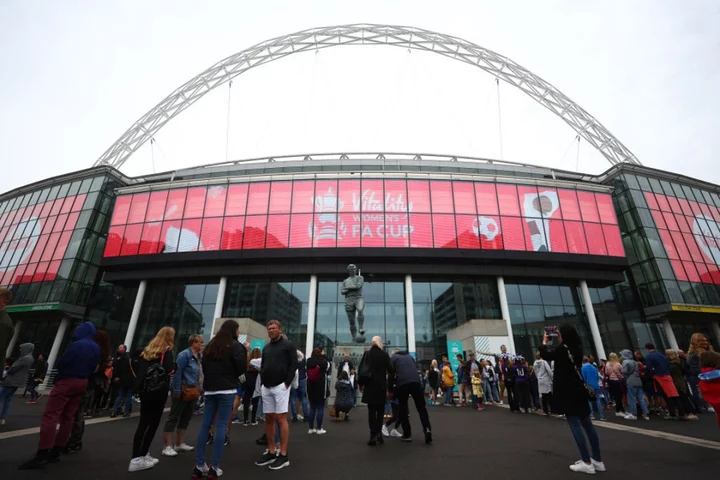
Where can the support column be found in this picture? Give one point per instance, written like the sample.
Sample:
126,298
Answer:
505,310
410,314
62,329
592,320
219,301
135,314
13,340
670,334
716,330
312,309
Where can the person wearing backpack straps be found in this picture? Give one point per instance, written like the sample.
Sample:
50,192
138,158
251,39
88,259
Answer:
317,368
155,366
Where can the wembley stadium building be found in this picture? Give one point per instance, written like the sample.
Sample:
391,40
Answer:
455,253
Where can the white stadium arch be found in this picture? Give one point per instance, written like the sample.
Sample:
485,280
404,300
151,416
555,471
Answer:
367,34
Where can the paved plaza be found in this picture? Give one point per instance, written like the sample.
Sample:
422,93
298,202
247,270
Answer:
468,444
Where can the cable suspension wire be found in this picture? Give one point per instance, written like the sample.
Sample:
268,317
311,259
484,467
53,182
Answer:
577,158
227,125
567,150
152,152
497,83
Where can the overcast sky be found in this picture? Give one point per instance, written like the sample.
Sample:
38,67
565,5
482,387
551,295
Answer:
74,75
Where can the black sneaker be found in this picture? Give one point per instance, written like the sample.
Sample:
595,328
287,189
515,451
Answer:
428,436
126,415
294,419
266,459
210,439
227,440
213,473
373,441
197,474
281,461
262,440
113,414
380,440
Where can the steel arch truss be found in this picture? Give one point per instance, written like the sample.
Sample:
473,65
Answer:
367,34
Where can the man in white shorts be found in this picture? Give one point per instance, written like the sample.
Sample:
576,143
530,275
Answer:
277,372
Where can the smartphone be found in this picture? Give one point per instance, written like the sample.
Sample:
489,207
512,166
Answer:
551,331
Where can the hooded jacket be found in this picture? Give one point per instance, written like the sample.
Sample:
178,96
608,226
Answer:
405,369
82,356
17,374
630,369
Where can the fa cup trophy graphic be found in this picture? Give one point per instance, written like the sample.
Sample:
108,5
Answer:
352,290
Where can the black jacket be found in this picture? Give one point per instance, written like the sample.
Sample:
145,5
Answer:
568,389
375,389
279,363
122,371
40,369
222,373
316,391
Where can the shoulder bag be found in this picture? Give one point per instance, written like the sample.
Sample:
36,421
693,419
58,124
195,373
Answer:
589,391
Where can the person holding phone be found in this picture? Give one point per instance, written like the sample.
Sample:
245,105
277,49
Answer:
570,395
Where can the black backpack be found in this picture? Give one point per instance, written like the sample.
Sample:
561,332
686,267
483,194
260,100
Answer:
156,377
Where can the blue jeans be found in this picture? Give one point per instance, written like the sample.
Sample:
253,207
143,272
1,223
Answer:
299,392
222,405
448,395
636,393
32,388
124,396
596,406
317,411
577,425
6,396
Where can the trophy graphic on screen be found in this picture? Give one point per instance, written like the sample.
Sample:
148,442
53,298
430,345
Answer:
181,240
537,210
707,235
487,227
327,226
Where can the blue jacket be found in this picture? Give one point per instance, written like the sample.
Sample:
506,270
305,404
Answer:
591,375
657,364
188,371
82,356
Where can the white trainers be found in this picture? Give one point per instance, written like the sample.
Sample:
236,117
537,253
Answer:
599,466
169,452
312,431
621,414
322,431
203,468
395,433
140,463
582,467
184,447
300,418
218,471
152,459
630,416
385,431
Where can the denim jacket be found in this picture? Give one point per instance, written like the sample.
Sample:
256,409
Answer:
188,371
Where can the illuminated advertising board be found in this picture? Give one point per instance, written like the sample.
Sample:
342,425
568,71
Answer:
379,213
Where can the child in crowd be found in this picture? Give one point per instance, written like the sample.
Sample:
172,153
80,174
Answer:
477,390
354,383
710,379
394,419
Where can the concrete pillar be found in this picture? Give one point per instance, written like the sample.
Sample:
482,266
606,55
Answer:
505,310
14,339
62,329
219,301
716,331
135,314
410,314
670,334
592,320
312,309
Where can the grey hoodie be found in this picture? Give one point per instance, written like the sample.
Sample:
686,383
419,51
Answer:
18,372
630,369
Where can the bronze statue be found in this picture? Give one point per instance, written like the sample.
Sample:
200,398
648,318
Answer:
352,290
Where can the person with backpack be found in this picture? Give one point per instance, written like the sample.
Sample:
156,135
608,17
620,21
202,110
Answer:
152,384
317,368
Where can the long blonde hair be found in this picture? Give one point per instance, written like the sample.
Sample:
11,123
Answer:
163,341
698,343
671,354
613,358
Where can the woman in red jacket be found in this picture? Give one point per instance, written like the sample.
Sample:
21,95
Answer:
710,389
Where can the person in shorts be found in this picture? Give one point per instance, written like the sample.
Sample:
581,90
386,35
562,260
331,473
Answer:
277,372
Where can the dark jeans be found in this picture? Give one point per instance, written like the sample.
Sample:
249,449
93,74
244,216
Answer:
414,390
151,410
375,418
247,401
547,402
124,396
673,403
32,388
577,425
317,412
512,398
698,404
522,390
615,387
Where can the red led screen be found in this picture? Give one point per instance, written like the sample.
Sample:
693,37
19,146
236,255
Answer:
391,213
690,233
34,239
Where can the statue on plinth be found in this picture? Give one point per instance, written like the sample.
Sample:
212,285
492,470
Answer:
354,303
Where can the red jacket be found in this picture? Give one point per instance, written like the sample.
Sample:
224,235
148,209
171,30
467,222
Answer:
710,390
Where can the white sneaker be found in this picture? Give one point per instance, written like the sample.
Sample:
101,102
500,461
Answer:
184,447
169,452
599,466
395,433
2,421
621,414
300,418
582,467
203,468
312,431
218,471
152,459
710,409
322,431
140,463
630,416
385,431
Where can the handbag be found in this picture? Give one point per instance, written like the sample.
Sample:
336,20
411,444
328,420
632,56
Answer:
589,391
190,393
